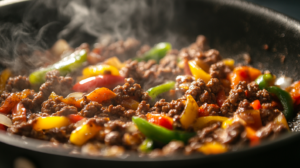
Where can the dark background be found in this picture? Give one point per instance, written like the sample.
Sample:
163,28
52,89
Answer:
290,8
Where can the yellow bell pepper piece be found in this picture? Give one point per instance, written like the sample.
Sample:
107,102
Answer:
130,104
229,62
197,72
189,113
212,148
83,133
228,122
6,73
203,65
114,61
100,70
202,122
280,119
44,123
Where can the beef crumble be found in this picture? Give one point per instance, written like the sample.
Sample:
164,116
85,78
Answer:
112,118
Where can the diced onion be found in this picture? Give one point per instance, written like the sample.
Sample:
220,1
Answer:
80,123
76,95
284,82
5,120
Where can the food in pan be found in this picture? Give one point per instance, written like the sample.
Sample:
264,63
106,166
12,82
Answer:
160,101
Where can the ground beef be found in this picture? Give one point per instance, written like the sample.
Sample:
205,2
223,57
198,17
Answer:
201,93
268,113
149,74
54,83
130,90
263,96
271,130
143,108
232,133
252,91
91,109
243,106
195,49
214,85
175,107
219,70
207,134
50,106
66,110
235,96
18,83
211,109
185,80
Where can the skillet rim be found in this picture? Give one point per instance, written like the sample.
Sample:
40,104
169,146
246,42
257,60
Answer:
248,7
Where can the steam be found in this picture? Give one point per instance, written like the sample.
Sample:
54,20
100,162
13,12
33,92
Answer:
23,45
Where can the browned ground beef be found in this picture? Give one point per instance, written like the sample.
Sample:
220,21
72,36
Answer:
118,133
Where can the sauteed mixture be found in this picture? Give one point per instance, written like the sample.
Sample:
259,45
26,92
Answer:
160,101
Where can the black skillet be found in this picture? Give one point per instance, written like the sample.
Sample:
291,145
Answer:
232,27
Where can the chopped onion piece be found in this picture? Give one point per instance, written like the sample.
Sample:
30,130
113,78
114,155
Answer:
80,123
284,82
76,95
5,120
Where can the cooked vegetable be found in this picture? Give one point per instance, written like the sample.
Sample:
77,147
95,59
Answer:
243,73
251,135
197,72
283,82
74,118
155,91
44,123
12,100
5,121
99,95
83,133
256,105
130,103
160,134
285,99
189,113
250,118
108,81
146,146
229,62
100,70
280,119
115,62
265,80
19,113
5,74
221,97
202,122
156,53
161,120
64,66
212,148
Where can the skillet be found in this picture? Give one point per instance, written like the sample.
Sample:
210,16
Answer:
232,27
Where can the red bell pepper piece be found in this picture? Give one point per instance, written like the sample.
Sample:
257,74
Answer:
108,81
2,127
74,118
256,105
19,113
160,120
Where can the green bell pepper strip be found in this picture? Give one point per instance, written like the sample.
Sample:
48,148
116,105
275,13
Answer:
156,53
64,66
155,91
285,99
146,146
264,81
160,134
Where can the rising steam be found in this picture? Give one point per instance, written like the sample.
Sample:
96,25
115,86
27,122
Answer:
22,44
